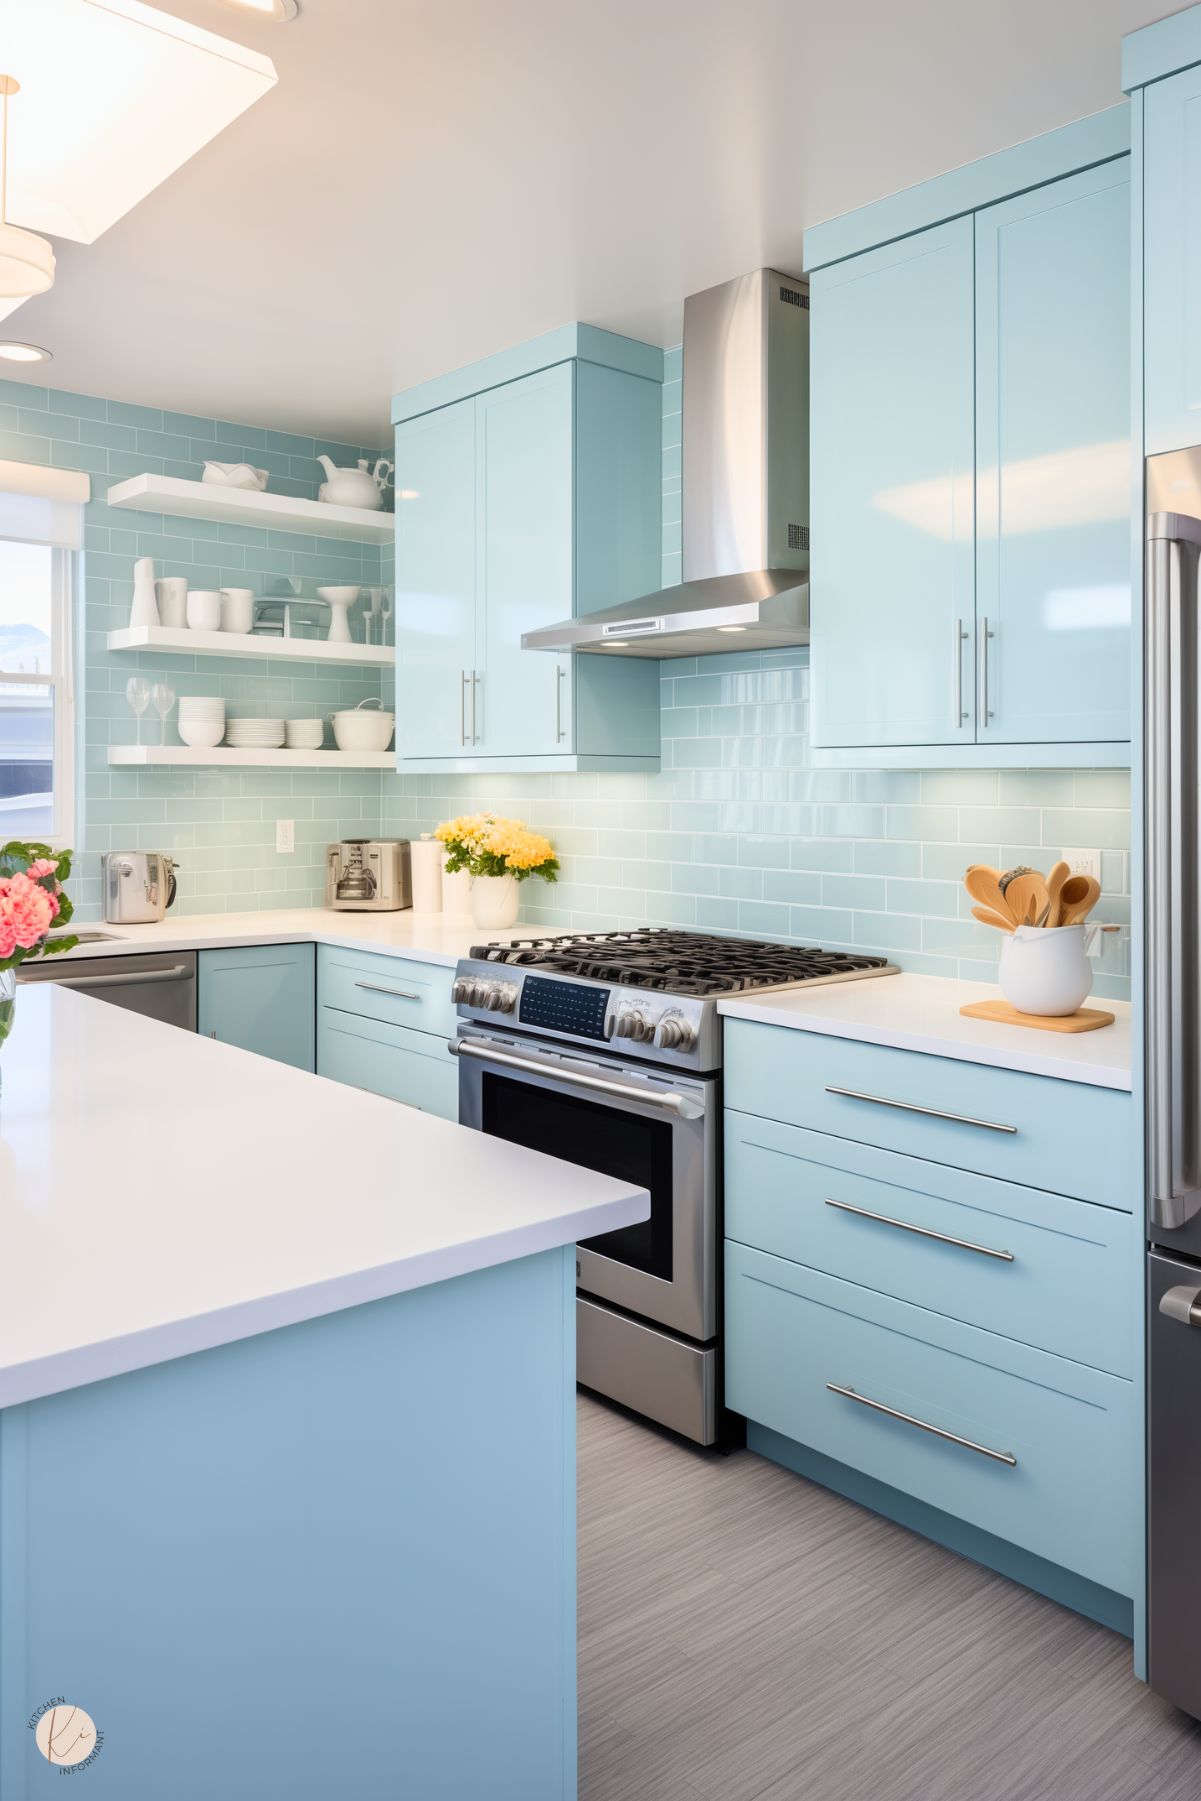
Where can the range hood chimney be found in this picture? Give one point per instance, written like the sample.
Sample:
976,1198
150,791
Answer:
745,488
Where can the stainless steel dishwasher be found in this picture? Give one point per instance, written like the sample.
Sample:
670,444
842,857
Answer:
160,984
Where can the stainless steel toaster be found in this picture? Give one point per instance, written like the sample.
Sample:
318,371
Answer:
368,875
139,886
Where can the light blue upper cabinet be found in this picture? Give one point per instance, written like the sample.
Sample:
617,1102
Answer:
1172,262
891,462
528,491
1053,482
972,492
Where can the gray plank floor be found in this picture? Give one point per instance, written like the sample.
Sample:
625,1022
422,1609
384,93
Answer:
748,1636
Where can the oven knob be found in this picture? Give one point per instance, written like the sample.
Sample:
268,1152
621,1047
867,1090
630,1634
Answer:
632,1024
508,997
479,994
674,1034
461,992
490,999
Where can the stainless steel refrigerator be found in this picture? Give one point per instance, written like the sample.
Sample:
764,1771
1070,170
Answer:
1172,829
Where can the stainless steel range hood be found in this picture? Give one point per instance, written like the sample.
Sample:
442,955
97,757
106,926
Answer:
745,487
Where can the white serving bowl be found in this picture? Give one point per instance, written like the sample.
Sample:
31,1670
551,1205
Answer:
363,728
234,475
304,734
202,733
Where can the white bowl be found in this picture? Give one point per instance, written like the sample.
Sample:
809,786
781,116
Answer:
234,475
202,703
363,728
202,733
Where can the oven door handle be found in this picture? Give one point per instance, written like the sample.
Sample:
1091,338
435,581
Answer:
684,1106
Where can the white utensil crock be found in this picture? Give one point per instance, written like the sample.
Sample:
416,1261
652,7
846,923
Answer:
171,592
425,862
1046,970
494,901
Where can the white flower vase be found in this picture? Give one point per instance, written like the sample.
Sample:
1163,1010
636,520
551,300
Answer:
494,901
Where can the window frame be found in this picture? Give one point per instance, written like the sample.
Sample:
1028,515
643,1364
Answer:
60,680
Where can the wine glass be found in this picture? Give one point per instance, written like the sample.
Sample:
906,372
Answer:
137,693
162,699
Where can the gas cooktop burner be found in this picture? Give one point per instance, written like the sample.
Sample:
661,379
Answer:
692,963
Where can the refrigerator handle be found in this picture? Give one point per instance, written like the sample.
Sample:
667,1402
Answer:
1183,1304
1173,889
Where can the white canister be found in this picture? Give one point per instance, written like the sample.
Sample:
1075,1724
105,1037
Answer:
1045,970
204,609
171,592
144,610
425,861
237,610
456,890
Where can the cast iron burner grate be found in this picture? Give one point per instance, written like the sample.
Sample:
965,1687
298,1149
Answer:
692,963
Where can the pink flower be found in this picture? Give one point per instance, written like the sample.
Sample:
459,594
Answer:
26,912
43,866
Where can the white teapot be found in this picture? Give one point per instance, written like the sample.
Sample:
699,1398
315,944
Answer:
361,487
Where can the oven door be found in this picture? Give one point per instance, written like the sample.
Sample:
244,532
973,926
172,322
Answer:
643,1126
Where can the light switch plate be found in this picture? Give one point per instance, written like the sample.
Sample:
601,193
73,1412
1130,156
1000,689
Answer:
285,835
1084,862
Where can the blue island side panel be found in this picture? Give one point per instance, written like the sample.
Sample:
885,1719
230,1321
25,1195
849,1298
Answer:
336,1559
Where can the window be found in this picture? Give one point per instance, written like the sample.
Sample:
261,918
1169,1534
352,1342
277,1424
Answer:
40,521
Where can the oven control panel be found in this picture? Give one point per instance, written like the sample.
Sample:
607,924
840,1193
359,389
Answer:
566,1007
665,1028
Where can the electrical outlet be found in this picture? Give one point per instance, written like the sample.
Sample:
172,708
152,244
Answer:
285,835
1084,862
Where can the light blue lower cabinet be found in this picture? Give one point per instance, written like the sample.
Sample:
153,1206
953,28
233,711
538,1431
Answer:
261,998
273,1568
1034,1450
404,1065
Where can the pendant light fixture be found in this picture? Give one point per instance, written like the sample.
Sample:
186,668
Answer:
26,261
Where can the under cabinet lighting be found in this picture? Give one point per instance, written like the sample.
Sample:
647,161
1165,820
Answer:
14,352
617,643
276,11
731,628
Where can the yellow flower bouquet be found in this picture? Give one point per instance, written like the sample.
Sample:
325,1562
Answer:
485,845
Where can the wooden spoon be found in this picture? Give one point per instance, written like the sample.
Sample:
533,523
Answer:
984,885
1027,897
987,917
1056,878
1077,898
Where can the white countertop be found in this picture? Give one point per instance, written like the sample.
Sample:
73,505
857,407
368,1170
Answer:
162,1193
426,937
921,1013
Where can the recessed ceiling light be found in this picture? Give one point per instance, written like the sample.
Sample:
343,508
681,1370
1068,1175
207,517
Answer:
731,628
14,352
278,12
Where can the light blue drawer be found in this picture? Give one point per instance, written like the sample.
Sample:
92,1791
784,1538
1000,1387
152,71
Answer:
397,990
1069,1496
413,1067
1064,1283
1062,1136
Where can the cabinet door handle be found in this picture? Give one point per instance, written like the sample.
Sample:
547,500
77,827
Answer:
477,682
957,673
560,676
958,1119
904,1225
910,1419
402,994
986,635
462,708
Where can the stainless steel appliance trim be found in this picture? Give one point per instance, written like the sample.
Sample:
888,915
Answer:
178,972
665,1378
904,1225
958,1119
910,1419
402,994
1183,1304
682,1105
957,673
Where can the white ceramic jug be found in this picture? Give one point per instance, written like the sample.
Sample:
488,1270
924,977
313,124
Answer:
1045,970
144,610
361,487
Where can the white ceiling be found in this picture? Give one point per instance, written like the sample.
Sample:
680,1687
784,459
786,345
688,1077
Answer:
432,180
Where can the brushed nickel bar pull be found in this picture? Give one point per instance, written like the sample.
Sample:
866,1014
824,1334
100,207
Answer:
477,682
462,708
911,1419
178,972
402,994
986,634
560,674
904,1225
957,672
682,1105
958,1119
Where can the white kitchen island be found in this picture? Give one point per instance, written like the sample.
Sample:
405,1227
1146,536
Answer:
286,1427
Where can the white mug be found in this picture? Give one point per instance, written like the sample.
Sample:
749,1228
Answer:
237,610
171,593
204,609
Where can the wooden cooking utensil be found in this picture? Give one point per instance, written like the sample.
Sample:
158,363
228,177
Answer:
1078,897
984,886
1027,897
987,917
1056,877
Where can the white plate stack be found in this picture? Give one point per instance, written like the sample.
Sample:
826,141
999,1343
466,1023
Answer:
304,734
255,734
201,720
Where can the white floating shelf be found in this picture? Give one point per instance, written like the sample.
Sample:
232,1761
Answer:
186,756
246,506
258,644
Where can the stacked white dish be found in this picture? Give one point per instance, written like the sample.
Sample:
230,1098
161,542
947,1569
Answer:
201,719
304,734
255,734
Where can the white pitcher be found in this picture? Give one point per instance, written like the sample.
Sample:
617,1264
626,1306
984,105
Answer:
144,610
1046,970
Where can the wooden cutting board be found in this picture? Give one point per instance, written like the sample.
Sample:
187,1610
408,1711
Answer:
1085,1019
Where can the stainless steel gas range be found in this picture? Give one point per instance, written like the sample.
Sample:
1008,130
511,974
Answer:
605,1049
